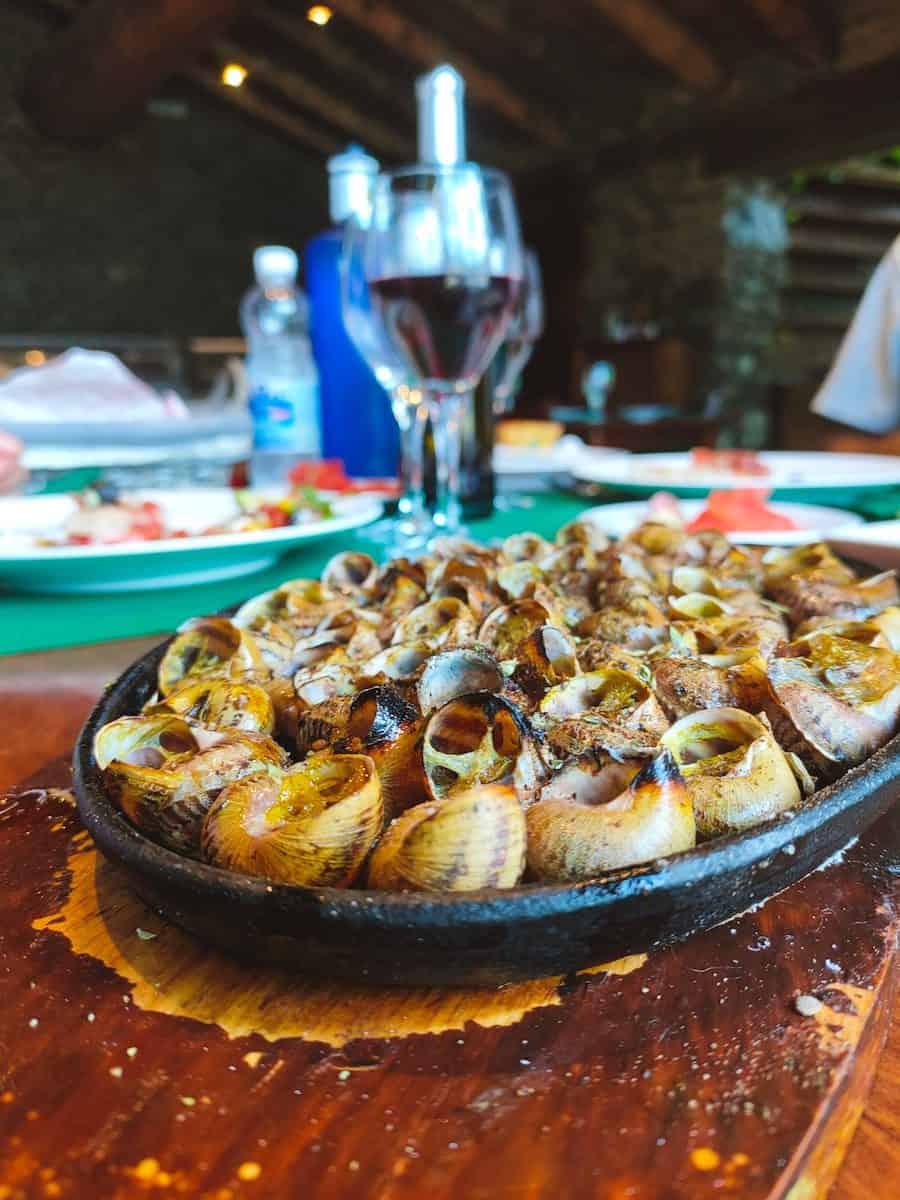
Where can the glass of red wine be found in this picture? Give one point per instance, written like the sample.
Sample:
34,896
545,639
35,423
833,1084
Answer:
525,328
443,260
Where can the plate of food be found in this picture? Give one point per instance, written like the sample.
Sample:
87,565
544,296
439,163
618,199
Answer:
104,539
745,515
500,762
698,471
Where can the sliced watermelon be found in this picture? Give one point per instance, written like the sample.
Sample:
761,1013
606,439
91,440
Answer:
740,510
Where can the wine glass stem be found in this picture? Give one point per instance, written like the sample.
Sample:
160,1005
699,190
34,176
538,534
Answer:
446,411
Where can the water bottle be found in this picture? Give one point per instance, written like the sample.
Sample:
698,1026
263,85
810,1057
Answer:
283,385
358,425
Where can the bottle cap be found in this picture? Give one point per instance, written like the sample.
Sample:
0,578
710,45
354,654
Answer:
442,128
274,264
350,179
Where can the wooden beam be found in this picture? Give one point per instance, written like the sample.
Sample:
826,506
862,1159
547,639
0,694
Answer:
395,30
664,38
330,106
829,280
790,22
836,245
347,63
858,171
248,101
840,208
99,72
360,70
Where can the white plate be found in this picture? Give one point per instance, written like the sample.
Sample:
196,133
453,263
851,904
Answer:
815,521
562,458
788,469
165,563
877,543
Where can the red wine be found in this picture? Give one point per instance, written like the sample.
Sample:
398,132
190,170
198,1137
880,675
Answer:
447,325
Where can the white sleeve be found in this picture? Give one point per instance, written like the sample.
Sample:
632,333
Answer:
863,386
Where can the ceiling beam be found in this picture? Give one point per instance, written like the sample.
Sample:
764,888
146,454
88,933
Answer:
665,39
331,107
244,98
791,23
822,122
348,63
99,72
404,37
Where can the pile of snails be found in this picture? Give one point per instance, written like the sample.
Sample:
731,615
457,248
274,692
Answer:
487,716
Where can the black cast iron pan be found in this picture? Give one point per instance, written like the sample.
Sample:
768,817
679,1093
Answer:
476,937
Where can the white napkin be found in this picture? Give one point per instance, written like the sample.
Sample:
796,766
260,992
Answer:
83,386
863,387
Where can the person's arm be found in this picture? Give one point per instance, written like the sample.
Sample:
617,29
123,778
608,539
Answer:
863,387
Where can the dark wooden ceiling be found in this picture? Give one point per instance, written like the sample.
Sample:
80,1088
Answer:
748,83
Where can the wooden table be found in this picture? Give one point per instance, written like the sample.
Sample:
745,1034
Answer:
133,1062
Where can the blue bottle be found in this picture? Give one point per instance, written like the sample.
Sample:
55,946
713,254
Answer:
357,423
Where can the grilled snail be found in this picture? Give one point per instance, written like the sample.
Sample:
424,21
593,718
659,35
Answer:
312,825
737,774
589,822
546,710
475,838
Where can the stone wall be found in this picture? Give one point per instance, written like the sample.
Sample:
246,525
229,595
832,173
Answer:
696,256
153,232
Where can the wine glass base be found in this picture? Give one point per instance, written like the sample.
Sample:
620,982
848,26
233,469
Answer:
396,537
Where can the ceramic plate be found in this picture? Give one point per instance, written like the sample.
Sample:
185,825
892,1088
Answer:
814,522
807,472
173,561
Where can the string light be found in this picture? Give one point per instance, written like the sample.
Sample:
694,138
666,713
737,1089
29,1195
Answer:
233,75
35,358
319,14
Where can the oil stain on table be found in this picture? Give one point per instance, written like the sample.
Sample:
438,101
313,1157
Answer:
136,1061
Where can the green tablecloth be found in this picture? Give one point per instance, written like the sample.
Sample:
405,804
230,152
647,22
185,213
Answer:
35,622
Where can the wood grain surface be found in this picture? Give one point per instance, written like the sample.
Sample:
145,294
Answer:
135,1062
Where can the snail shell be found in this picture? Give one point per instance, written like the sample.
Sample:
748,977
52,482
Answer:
481,738
816,560
455,673
222,704
164,774
582,533
356,629
294,601
399,663
882,629
324,723
837,701
693,606
507,627
635,624
604,709
526,547
590,821
446,570
734,680
312,826
351,573
519,580
385,726
443,622
473,839
208,648
736,772
478,599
